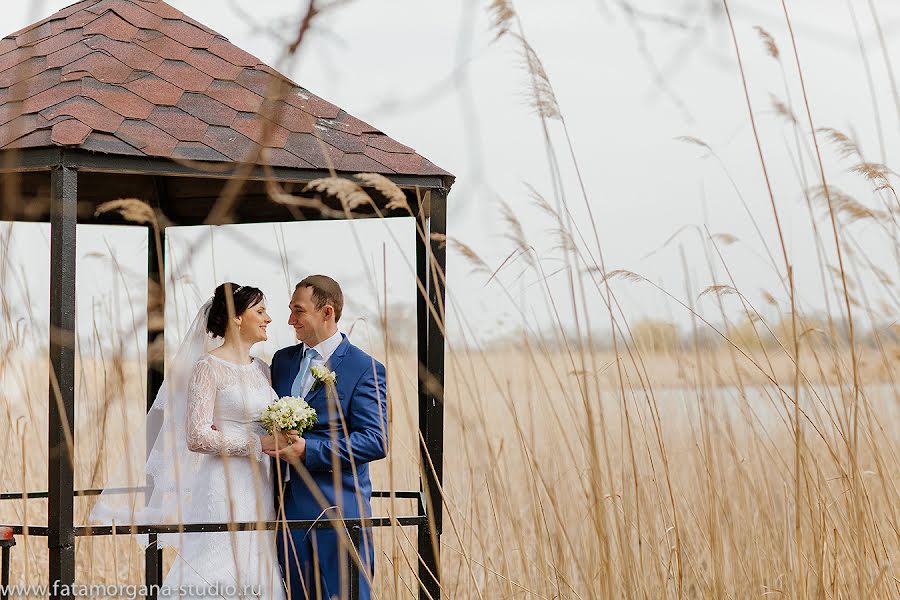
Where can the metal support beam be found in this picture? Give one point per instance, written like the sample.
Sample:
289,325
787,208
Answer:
61,411
430,267
355,572
39,159
5,546
426,559
156,310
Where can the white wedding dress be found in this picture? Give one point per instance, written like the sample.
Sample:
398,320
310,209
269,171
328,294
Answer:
184,471
233,483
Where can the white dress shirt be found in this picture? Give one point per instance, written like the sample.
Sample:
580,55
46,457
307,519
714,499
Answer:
325,349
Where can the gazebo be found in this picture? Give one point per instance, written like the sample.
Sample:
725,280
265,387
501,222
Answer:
111,99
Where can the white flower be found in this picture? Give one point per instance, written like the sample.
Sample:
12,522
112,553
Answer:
287,413
323,375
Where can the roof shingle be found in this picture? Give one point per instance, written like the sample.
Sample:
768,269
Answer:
261,130
206,109
79,19
197,151
68,55
100,66
90,112
185,33
33,85
131,12
117,98
155,90
183,75
313,150
212,65
129,53
10,111
70,132
237,97
35,139
146,137
162,45
178,124
161,9
52,96
112,26
108,144
139,78
23,70
229,142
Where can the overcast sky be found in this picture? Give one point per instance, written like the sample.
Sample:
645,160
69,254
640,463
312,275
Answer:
431,75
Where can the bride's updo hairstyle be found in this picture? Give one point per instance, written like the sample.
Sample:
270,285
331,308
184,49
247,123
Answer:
243,297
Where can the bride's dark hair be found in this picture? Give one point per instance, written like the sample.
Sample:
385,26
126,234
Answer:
243,297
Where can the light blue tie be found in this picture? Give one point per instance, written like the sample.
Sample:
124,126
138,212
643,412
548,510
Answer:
297,386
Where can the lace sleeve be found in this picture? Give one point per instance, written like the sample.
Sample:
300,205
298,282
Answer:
201,437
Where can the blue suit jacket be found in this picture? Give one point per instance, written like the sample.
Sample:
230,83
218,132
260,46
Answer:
362,404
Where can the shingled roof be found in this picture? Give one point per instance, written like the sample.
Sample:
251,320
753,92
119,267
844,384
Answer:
140,78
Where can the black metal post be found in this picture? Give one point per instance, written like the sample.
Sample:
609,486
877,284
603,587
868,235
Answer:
156,310
426,558
430,265
4,566
61,411
355,573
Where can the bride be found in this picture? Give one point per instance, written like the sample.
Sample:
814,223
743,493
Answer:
206,463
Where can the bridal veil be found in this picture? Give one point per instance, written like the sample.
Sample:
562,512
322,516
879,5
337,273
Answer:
156,487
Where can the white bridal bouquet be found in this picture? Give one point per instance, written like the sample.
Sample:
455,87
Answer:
287,413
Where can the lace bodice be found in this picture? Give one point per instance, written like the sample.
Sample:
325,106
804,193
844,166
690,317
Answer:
231,397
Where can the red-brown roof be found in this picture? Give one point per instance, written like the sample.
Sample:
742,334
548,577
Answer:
138,77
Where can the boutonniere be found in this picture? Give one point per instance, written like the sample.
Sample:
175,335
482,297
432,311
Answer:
322,375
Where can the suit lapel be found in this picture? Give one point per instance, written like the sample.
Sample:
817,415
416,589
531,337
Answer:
336,357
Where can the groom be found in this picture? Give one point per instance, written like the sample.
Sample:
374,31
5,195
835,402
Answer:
328,476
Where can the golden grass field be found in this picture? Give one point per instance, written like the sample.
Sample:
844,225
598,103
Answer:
562,483
695,471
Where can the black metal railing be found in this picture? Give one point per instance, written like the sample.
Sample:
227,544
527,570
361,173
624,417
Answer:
353,526
5,545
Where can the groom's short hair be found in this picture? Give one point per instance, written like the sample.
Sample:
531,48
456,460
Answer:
325,290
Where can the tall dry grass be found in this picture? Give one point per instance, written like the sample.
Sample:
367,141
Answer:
523,516
764,465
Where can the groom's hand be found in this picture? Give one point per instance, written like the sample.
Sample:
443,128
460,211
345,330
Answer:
280,440
294,453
